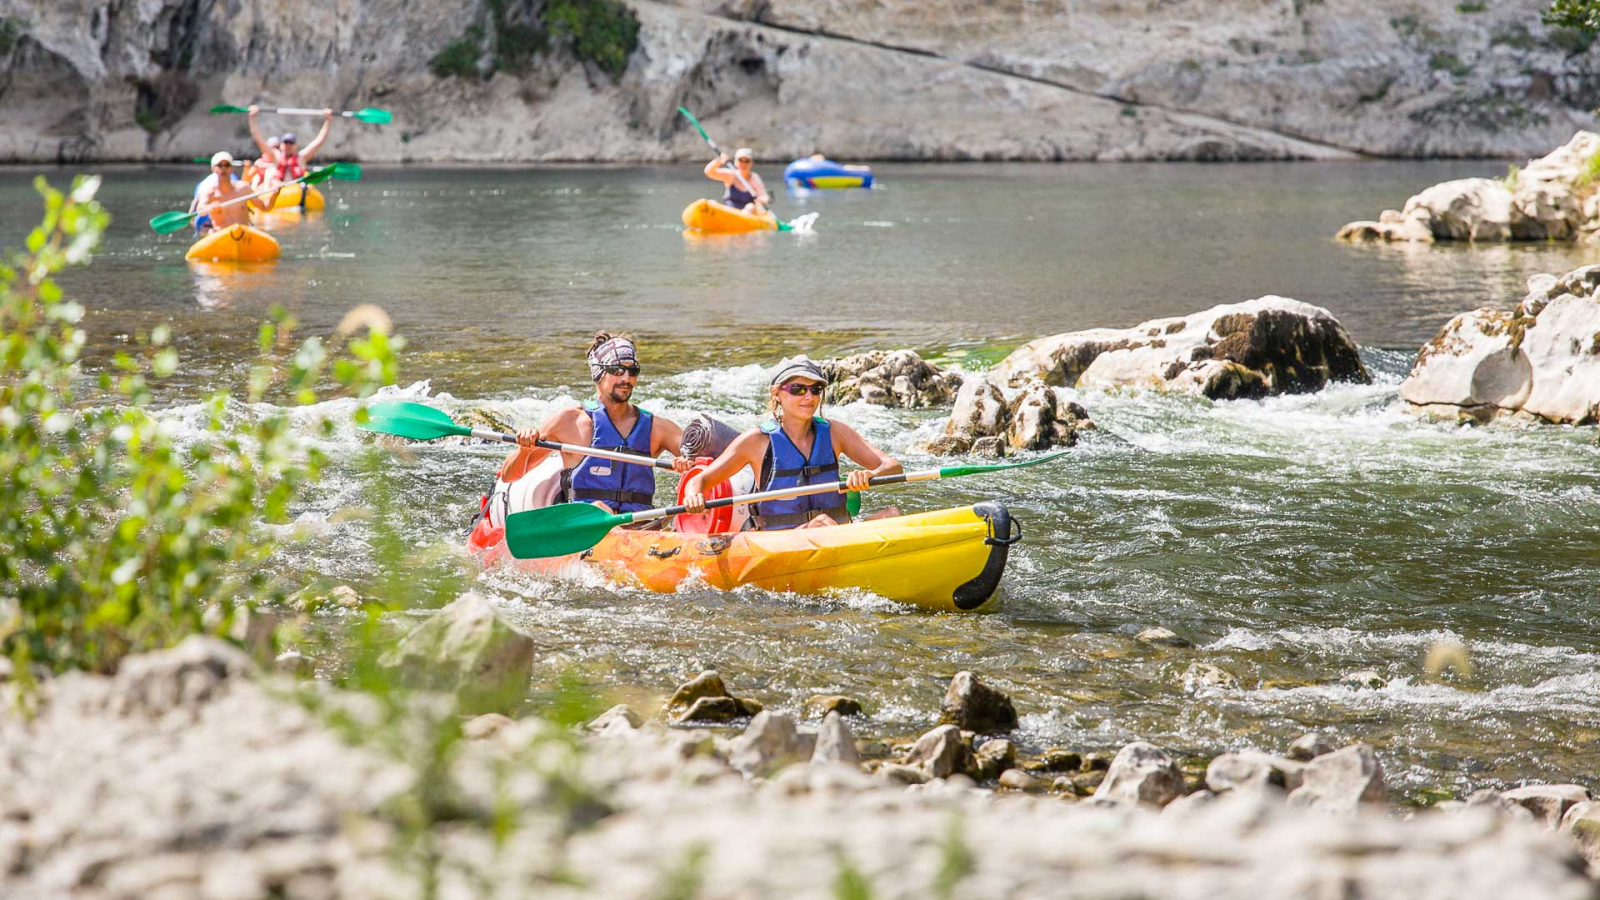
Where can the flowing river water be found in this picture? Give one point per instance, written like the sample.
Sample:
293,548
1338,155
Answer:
1293,541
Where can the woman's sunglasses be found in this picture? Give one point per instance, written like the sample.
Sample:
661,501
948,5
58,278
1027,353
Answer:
797,389
619,370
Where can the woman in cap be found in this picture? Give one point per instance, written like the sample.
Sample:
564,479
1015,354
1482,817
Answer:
742,187
796,447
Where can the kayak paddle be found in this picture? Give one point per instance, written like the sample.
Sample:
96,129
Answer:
177,220
369,115
575,527
803,223
421,422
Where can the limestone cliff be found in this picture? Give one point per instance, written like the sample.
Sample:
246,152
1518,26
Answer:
886,79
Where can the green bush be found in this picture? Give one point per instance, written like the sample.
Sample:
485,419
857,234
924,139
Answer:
10,35
604,32
1580,15
459,59
115,536
1445,61
1471,7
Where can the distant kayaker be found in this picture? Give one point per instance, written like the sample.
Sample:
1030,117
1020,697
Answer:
610,422
742,187
289,162
225,188
796,446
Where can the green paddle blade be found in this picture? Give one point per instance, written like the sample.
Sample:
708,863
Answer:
955,471
347,171
411,420
559,530
168,222
696,123
228,109
373,116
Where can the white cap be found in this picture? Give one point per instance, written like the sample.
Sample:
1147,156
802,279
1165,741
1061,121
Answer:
221,156
742,153
801,366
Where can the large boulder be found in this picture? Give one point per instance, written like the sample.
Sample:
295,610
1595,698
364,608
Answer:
468,648
1270,345
1339,782
971,705
898,378
1544,201
1540,360
988,418
1142,773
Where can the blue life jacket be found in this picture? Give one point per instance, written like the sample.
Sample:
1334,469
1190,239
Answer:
737,197
785,467
625,487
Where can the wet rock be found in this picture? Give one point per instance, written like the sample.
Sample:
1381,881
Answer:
1262,347
1366,679
1096,762
989,447
1057,759
1142,773
1541,361
820,705
1162,637
988,419
1085,784
467,648
1039,419
993,757
1205,675
898,378
769,743
974,706
619,713
1250,770
1311,745
897,773
942,753
705,698
1341,781
487,725
313,597
1019,780
1547,802
835,744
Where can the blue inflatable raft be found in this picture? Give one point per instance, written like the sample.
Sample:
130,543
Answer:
825,174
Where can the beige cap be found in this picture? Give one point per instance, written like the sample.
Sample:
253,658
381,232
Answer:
744,153
221,156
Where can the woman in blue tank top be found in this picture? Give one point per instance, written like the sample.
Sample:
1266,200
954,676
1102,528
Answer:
742,187
796,447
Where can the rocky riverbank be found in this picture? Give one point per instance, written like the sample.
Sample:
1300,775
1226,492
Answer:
189,775
87,80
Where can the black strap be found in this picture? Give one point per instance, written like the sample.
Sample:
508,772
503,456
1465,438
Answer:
587,495
807,471
628,450
840,514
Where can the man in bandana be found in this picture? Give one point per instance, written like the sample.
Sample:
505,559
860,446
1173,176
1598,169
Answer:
610,422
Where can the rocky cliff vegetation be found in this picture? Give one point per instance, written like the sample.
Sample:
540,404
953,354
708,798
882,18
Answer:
504,80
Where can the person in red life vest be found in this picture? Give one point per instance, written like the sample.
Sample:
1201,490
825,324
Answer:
795,447
290,161
609,422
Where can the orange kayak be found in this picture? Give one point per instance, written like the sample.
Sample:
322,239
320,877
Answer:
711,217
240,243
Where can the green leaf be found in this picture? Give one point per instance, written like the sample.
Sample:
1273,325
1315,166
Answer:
165,363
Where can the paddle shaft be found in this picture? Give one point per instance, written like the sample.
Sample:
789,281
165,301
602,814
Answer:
295,111
784,493
501,436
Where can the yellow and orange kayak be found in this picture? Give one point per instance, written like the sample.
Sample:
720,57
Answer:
711,217
950,560
289,198
240,243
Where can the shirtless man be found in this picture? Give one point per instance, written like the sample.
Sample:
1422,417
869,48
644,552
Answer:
225,189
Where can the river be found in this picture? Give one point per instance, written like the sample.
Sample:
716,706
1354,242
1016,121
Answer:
1294,540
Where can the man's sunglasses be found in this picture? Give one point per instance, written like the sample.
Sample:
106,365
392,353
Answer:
795,388
619,370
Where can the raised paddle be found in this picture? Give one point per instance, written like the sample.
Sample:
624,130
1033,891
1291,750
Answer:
803,223
177,220
369,115
575,527
421,422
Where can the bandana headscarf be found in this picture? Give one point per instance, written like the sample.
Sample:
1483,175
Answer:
615,352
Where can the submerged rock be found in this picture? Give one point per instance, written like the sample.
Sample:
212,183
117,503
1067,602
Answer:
1142,773
704,698
971,705
1162,637
1544,201
1541,360
820,705
468,648
1270,345
898,378
1201,675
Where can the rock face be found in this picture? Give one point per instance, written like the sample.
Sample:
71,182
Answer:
1548,200
1341,781
1270,345
1051,80
971,705
898,378
466,647
1540,360
1142,773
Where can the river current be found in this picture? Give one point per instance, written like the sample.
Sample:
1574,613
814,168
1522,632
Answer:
1294,541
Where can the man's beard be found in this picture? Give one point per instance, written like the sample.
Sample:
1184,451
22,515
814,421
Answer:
621,393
